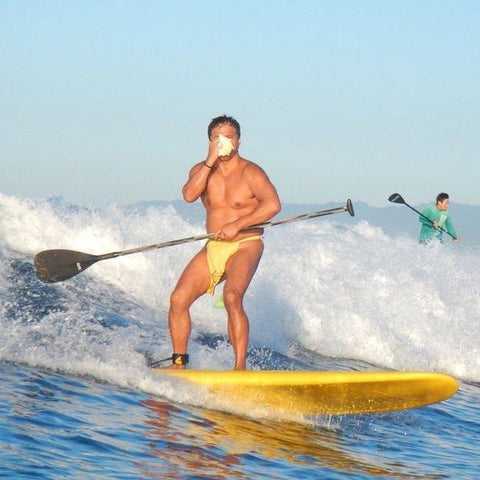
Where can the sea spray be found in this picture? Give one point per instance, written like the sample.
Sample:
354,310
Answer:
338,290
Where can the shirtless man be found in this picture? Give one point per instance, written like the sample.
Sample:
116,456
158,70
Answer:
236,194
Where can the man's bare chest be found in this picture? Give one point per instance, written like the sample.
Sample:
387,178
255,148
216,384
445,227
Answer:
230,191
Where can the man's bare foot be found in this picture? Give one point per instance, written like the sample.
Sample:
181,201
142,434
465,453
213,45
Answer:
170,367
175,367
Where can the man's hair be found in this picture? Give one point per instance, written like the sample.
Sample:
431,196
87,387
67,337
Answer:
442,196
223,120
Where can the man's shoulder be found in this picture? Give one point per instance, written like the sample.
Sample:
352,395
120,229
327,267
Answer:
251,168
429,208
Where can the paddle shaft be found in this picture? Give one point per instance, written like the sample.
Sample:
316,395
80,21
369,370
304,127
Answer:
57,265
205,236
431,221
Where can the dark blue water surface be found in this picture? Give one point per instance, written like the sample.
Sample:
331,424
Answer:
58,426
78,400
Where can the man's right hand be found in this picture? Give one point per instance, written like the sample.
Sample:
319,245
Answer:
212,156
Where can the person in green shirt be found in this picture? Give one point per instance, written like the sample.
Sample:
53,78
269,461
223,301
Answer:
437,216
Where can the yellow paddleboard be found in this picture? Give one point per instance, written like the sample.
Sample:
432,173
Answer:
325,393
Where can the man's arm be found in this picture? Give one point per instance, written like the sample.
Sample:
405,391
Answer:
450,228
198,177
267,197
196,183
427,212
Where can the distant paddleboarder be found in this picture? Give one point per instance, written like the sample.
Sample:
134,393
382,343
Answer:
435,216
236,194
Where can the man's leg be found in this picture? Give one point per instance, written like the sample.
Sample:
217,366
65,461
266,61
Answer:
239,272
193,283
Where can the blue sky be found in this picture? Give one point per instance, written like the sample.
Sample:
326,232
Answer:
109,101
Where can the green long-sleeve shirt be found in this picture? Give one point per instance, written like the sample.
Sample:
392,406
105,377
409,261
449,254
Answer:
442,217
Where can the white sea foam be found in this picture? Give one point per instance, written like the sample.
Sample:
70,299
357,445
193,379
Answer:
339,290
356,293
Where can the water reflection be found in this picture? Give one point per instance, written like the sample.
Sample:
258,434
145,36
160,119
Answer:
219,445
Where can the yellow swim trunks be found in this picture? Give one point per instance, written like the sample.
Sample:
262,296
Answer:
218,254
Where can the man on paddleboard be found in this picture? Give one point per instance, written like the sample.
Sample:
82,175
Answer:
436,216
236,194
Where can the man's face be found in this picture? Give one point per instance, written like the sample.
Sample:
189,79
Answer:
443,205
227,131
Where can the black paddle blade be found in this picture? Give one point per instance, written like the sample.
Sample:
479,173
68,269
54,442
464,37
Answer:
350,208
56,265
396,198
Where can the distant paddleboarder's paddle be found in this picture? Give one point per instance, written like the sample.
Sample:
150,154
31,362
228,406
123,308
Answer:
57,265
397,198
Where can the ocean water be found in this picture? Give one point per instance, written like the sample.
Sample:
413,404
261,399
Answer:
77,399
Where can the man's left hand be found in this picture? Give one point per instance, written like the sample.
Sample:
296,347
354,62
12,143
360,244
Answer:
227,232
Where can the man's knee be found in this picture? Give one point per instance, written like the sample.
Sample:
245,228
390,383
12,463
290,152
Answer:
179,300
232,299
